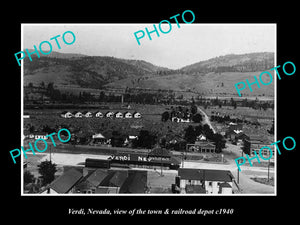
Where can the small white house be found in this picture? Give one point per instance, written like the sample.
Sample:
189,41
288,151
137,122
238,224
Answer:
127,115
87,114
119,115
109,114
66,114
99,114
77,114
137,115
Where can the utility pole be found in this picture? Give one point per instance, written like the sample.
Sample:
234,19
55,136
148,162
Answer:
50,154
269,170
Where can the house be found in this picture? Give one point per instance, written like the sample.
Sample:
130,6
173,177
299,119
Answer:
254,145
128,115
201,137
119,115
91,181
233,135
182,120
137,115
130,139
136,182
41,136
212,181
66,114
87,114
77,114
99,114
114,178
175,119
202,147
65,183
109,114
99,138
235,126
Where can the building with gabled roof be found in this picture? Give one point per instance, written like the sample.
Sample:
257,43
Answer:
212,180
87,114
115,178
65,183
109,114
66,114
136,182
137,115
77,114
202,147
119,115
128,115
99,114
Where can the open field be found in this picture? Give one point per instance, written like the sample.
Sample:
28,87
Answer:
216,84
241,111
151,120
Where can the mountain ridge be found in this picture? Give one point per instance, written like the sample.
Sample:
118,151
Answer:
98,72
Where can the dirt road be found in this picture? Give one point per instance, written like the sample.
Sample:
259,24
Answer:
206,119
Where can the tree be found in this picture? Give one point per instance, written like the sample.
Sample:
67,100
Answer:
190,134
28,177
117,140
194,109
165,116
197,118
219,142
145,140
47,170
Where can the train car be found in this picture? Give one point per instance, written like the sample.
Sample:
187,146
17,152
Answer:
97,163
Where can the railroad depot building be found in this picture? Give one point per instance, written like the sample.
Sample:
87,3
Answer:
204,181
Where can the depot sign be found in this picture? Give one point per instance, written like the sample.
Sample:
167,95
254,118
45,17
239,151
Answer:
135,157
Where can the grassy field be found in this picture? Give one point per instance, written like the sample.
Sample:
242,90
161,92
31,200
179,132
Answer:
216,84
151,120
241,111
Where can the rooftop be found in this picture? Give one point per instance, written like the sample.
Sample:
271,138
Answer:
206,175
66,181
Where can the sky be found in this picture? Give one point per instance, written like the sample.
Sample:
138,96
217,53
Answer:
180,47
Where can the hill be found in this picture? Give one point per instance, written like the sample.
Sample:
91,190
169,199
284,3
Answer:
212,77
84,71
251,62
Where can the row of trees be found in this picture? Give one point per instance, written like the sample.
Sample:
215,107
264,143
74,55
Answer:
255,104
226,118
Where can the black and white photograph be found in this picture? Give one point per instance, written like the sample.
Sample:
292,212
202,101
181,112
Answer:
162,109
150,112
